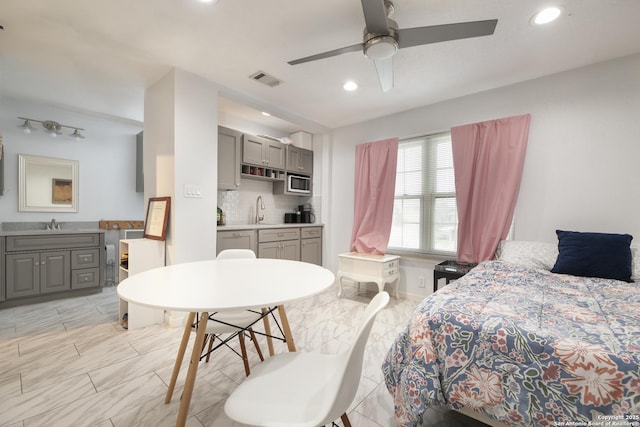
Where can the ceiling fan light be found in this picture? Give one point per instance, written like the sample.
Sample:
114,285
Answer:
382,47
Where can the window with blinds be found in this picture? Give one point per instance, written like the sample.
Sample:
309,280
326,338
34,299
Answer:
425,217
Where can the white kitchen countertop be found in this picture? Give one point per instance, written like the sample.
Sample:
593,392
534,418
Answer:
262,226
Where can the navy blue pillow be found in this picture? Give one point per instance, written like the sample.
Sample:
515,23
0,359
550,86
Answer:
594,255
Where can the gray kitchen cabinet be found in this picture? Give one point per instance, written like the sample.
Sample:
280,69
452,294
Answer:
279,243
311,245
240,239
229,142
299,160
252,150
50,263
269,250
260,151
286,249
37,273
292,243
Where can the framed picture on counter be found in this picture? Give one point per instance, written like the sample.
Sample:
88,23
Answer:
155,224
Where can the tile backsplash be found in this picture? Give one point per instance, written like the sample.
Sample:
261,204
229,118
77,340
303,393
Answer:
239,206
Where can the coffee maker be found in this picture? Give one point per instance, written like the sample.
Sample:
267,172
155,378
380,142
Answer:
302,214
306,214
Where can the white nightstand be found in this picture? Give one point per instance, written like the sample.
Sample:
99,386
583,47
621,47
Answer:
380,269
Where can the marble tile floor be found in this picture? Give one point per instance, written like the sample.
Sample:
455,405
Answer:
69,363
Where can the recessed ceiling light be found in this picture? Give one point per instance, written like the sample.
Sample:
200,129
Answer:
209,1
264,113
350,86
546,15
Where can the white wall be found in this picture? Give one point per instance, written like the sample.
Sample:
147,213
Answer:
581,165
181,148
106,162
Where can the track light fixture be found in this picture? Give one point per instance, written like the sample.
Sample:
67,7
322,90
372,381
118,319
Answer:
51,127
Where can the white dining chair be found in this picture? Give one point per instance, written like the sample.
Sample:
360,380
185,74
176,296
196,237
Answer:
304,389
233,322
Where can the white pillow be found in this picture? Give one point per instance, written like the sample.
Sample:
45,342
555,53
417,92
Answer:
529,254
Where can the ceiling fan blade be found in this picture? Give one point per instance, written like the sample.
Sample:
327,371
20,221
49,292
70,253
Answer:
384,67
375,16
335,52
409,37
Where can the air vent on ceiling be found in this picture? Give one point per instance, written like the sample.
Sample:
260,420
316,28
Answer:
265,78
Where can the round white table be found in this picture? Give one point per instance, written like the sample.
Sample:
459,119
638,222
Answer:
217,285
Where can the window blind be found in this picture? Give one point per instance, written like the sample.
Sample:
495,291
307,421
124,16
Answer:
425,214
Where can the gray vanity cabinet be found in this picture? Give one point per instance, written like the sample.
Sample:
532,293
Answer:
23,275
85,268
37,273
50,263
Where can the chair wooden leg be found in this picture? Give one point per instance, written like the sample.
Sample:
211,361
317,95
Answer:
255,343
212,338
267,331
345,420
245,359
286,329
204,344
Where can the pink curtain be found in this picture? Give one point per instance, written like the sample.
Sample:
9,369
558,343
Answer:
375,182
488,158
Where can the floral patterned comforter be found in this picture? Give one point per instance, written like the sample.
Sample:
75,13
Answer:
522,346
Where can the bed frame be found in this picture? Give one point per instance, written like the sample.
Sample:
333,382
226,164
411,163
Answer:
479,417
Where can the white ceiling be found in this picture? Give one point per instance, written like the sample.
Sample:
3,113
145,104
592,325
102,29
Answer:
99,55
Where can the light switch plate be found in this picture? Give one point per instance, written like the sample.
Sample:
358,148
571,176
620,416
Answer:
193,191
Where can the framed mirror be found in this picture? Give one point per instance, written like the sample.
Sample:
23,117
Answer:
47,184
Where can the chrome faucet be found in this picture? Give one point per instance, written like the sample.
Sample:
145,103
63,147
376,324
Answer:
259,205
53,225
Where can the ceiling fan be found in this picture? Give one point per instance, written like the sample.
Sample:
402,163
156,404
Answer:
382,38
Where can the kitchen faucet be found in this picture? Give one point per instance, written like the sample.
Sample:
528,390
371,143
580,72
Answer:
259,205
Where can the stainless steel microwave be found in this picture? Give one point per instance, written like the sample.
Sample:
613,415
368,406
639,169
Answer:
298,184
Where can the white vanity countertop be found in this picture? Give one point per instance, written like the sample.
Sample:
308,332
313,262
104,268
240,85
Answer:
264,226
